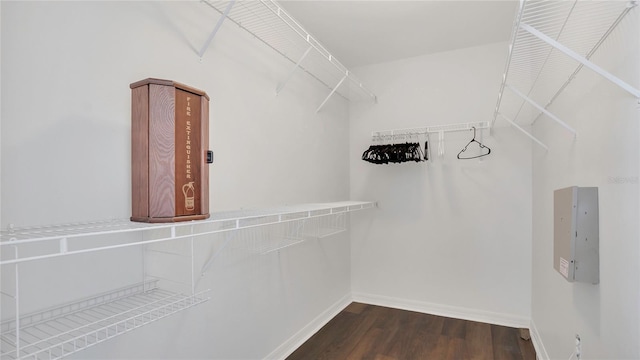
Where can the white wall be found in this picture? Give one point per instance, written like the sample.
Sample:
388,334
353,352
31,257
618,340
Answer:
604,154
450,236
66,70
0,128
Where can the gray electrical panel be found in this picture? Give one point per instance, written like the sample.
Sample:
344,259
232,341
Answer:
576,234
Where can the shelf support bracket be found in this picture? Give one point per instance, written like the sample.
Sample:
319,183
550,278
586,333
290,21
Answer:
332,92
572,54
214,256
216,28
512,43
524,132
16,300
64,247
295,67
549,114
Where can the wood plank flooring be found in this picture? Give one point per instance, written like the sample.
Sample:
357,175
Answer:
378,333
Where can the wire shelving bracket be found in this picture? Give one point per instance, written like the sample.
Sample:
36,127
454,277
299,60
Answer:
551,42
270,23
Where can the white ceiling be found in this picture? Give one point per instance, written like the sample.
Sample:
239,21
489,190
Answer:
371,31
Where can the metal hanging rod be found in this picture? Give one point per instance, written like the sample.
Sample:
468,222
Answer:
434,129
525,132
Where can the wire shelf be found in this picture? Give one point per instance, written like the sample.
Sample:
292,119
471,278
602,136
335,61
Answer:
551,42
331,225
76,238
61,331
264,240
294,228
270,24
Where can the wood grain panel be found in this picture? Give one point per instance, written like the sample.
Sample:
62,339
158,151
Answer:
456,349
525,349
424,335
363,331
204,174
431,324
505,343
384,357
172,83
400,326
161,151
350,337
355,308
454,328
188,162
140,152
478,335
340,327
363,348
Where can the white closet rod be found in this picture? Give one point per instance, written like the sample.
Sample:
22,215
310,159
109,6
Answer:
545,111
434,129
525,132
216,28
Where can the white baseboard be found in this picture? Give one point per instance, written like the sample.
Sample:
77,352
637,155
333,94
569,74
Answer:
289,346
445,310
541,352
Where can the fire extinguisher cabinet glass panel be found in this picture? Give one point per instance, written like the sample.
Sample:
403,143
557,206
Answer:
169,142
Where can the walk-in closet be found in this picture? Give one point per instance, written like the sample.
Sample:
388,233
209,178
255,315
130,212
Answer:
263,179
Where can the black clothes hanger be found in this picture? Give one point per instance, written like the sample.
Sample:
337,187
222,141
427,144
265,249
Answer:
426,150
393,153
482,146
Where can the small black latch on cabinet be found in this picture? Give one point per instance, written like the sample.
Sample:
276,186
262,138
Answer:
209,157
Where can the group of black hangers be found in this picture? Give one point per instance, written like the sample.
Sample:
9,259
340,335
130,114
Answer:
412,151
396,153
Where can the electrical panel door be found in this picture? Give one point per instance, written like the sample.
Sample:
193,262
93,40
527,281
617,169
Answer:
576,234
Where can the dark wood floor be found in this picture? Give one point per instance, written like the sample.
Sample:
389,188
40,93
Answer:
373,332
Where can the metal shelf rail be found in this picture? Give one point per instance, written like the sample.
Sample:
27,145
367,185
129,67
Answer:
270,23
62,330
432,129
64,235
550,43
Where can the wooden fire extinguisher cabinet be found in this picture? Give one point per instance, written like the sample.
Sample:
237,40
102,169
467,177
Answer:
169,145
